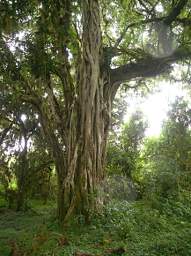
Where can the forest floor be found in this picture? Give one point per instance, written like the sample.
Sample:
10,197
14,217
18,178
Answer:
36,233
123,229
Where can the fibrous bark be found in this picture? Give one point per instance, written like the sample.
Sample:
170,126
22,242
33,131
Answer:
89,122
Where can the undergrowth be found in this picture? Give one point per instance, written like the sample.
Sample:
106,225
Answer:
139,228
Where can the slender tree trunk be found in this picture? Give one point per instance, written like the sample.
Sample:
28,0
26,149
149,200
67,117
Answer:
22,181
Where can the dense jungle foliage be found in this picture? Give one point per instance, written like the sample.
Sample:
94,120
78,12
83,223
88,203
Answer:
76,176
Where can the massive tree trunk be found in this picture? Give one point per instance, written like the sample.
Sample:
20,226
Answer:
88,128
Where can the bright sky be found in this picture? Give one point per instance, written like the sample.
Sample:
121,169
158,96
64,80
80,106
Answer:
156,105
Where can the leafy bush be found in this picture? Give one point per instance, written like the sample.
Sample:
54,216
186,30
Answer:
149,231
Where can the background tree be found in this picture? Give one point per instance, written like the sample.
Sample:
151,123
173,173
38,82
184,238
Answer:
123,158
124,151
167,158
20,136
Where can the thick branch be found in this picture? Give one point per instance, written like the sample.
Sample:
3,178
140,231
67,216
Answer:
184,21
148,67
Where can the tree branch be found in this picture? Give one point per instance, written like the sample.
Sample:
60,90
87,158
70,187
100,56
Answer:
148,67
184,21
175,12
134,24
167,20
